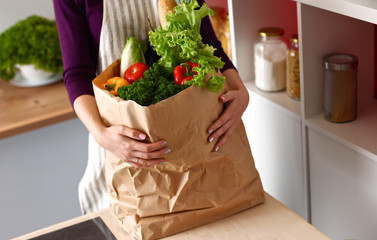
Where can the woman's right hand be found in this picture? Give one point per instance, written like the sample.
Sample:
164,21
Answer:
126,144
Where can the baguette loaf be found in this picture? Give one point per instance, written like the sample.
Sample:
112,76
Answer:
165,6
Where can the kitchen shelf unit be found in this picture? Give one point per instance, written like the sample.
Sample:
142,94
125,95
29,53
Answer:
249,17
338,177
343,33
282,170
278,99
341,158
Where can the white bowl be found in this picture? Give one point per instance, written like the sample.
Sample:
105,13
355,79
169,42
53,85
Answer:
30,73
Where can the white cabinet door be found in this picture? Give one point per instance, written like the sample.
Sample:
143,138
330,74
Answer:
275,139
343,190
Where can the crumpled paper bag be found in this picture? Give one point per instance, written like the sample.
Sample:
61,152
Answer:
195,186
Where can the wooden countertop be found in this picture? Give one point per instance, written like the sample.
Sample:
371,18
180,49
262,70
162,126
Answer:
270,220
27,108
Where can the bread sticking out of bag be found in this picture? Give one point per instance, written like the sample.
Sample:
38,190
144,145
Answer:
164,7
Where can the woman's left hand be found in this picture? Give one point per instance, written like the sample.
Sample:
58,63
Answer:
236,101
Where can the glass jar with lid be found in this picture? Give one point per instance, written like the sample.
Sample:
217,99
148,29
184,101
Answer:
293,68
270,60
340,87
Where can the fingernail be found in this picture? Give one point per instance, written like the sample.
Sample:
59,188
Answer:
210,131
163,143
217,148
142,136
222,98
211,139
167,151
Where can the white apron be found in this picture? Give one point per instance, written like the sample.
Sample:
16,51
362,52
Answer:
121,19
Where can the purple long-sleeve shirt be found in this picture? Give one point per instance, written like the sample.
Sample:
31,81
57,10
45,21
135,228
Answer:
79,25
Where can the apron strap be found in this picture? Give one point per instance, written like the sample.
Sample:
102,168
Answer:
123,19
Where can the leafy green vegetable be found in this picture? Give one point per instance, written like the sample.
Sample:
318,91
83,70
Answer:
132,53
31,41
185,1
181,41
187,16
156,85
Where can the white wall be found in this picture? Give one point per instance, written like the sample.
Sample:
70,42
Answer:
12,11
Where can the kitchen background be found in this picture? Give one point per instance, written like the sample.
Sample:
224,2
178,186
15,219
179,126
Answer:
325,172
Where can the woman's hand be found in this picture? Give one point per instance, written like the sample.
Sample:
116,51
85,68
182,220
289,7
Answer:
236,101
123,142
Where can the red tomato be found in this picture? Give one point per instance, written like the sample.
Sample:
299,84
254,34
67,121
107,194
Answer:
135,72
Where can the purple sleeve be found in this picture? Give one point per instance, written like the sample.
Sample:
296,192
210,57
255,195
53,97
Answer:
209,37
79,48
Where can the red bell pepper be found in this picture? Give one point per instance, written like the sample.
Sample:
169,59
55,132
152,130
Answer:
183,72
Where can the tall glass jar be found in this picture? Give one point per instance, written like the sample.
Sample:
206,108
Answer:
270,60
293,68
340,87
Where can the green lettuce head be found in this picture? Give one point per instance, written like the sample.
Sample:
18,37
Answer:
181,41
35,41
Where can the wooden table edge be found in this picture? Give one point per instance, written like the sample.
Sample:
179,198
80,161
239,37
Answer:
112,223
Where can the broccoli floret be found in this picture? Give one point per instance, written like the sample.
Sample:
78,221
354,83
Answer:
156,85
35,41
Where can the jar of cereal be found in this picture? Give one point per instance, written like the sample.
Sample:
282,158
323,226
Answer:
293,69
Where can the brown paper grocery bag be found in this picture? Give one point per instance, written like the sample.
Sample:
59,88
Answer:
195,186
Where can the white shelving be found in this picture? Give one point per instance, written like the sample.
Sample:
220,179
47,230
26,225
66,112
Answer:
278,99
272,120
365,10
324,31
359,135
341,158
343,190
333,154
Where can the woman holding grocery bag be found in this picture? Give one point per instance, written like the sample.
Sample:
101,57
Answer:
92,35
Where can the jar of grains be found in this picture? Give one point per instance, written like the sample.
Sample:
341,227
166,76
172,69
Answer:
293,69
270,60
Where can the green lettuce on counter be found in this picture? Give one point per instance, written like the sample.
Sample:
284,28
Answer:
31,41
